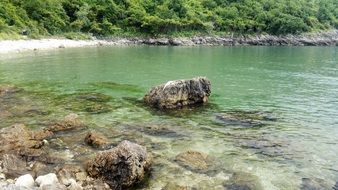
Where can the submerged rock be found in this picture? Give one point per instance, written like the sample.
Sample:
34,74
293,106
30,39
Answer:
94,103
95,139
335,187
246,118
154,130
197,162
313,184
243,181
179,93
122,166
4,90
173,186
70,122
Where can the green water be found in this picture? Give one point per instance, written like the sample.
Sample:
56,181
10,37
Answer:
297,85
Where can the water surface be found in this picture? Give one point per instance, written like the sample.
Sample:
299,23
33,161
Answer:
297,85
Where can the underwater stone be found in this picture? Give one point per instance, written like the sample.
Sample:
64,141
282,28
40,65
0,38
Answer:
122,166
245,118
243,181
197,162
179,93
70,122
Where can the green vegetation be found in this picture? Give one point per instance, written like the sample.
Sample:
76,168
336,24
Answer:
164,17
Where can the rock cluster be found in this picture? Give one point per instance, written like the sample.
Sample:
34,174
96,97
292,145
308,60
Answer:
122,166
179,93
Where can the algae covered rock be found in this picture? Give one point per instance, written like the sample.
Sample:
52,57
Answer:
179,93
122,166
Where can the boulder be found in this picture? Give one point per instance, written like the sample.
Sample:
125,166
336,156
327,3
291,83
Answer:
122,166
179,93
95,139
197,162
26,181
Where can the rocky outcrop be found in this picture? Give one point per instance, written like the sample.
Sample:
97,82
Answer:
96,139
122,166
324,38
179,93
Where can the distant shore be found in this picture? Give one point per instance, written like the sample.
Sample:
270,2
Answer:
327,38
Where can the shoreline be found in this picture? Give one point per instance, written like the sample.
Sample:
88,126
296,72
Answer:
327,38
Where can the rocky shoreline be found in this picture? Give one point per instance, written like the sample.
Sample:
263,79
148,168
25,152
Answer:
325,38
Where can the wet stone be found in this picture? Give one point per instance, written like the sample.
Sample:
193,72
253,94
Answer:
198,162
246,118
96,139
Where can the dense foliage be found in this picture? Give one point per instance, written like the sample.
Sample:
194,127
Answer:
109,17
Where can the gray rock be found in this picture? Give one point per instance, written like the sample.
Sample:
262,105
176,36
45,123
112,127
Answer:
122,166
49,179
25,181
179,93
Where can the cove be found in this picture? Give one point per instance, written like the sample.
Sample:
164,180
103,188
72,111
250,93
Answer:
271,121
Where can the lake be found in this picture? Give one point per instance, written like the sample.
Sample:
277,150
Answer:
294,90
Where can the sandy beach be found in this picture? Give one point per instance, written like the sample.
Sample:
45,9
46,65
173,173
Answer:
17,46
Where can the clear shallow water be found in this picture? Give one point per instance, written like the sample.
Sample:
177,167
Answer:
298,85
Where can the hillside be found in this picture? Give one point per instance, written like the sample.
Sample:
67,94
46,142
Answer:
164,17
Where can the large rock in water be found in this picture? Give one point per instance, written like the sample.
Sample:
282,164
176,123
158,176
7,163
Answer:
179,93
122,166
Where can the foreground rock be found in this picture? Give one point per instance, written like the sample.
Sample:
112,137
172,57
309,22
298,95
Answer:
179,93
197,162
122,166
